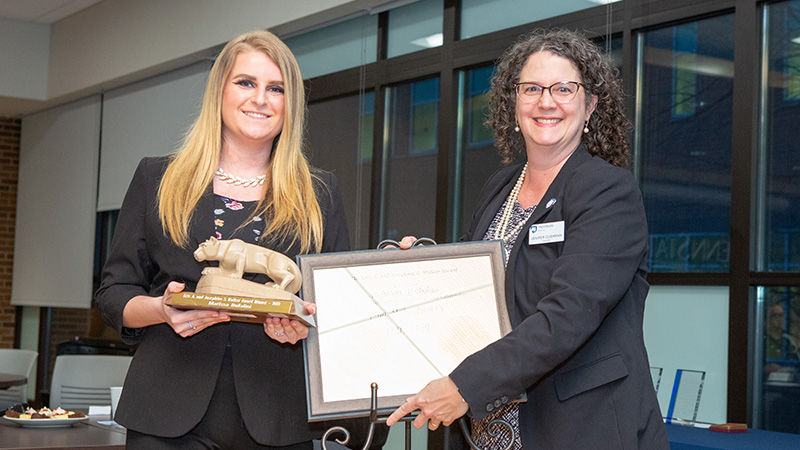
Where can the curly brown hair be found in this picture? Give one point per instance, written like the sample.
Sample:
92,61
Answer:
609,127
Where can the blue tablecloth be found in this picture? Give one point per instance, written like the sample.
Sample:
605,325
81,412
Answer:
690,438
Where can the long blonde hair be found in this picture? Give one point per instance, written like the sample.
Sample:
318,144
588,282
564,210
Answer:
288,201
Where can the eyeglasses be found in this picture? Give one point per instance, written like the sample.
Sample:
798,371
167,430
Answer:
564,91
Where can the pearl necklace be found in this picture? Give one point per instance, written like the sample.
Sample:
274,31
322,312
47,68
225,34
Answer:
500,231
237,181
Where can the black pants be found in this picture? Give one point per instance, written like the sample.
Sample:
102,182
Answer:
221,427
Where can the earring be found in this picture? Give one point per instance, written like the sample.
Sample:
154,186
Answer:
516,128
586,127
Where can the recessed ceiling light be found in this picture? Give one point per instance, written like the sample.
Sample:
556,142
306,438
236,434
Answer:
434,40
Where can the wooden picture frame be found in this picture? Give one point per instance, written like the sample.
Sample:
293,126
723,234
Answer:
400,318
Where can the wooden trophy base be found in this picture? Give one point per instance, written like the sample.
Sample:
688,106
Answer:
242,300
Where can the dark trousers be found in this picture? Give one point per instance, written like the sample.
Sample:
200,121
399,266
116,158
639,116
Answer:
221,427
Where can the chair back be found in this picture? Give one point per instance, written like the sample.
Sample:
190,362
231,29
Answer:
16,362
83,380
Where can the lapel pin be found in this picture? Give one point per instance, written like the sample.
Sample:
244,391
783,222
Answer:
550,202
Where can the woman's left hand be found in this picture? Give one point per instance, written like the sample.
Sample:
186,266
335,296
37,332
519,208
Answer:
288,330
439,402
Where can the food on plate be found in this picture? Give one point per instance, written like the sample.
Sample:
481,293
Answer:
26,412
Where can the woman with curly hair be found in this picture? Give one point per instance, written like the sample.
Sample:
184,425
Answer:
573,372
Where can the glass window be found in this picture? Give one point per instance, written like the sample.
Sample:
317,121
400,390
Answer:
337,47
105,222
423,115
476,156
613,48
684,143
779,164
484,16
677,318
616,52
415,27
779,390
684,76
340,140
409,173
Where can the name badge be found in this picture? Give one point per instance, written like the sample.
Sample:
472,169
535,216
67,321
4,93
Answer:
545,233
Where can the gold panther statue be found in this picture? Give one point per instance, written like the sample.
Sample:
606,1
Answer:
237,257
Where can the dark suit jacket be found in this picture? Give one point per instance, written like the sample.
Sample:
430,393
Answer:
576,346
171,379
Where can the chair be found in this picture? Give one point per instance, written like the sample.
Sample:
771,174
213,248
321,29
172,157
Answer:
16,362
83,380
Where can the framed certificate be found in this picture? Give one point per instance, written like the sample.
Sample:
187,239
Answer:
399,318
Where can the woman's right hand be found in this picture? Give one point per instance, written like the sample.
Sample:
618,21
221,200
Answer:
190,321
143,311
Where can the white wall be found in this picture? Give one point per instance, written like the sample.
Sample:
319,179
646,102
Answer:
24,50
686,327
115,38
116,42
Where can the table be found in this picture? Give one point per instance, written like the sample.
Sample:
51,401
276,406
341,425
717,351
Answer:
691,438
85,435
8,380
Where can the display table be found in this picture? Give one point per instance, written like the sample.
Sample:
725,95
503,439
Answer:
85,435
690,438
7,380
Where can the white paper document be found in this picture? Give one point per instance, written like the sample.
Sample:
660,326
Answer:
401,324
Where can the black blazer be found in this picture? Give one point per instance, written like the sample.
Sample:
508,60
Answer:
171,379
576,307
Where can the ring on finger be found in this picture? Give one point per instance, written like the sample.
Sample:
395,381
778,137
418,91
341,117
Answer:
279,333
191,325
434,425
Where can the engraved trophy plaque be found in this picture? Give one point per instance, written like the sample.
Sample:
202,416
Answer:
223,289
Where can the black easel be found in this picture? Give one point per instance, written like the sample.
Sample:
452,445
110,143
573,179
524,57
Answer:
496,426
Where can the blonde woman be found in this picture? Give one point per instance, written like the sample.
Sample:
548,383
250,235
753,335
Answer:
197,379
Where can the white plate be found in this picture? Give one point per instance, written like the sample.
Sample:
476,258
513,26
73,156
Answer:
46,423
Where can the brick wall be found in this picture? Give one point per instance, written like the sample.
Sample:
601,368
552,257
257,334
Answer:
9,168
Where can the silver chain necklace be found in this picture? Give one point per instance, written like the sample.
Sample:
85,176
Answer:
238,181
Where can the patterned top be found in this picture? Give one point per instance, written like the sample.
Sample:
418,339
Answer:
518,215
502,436
229,220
